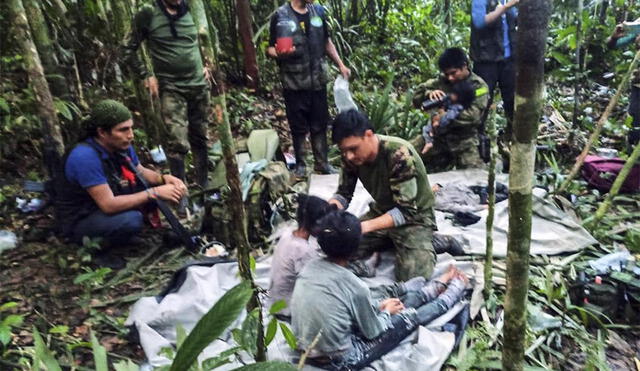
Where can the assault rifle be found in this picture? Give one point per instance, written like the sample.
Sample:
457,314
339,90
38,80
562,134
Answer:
192,243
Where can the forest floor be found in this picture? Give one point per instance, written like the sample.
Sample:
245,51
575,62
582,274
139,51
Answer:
59,291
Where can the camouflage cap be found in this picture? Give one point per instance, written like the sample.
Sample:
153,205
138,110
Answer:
107,114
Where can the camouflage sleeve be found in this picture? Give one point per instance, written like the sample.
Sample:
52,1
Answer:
139,32
422,91
404,184
347,185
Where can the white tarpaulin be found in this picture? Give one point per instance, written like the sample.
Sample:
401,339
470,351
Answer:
553,231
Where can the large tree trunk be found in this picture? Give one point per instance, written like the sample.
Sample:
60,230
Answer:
53,143
532,36
491,188
245,30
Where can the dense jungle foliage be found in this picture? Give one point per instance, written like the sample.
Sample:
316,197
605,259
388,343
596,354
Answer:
49,288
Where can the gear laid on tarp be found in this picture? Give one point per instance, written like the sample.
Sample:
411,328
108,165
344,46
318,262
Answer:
264,181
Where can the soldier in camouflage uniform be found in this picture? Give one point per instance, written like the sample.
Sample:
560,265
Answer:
457,146
178,77
617,40
391,170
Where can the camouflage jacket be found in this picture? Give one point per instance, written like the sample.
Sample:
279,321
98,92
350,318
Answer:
466,125
397,179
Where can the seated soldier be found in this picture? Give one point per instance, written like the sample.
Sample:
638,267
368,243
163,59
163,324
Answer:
401,217
102,197
330,300
461,96
458,147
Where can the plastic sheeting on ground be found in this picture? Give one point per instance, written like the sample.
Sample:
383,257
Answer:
553,231
156,321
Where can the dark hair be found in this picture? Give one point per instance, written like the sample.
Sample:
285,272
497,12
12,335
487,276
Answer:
453,58
465,92
339,234
310,210
351,123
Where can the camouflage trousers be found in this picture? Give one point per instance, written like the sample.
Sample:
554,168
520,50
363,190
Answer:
185,113
450,152
412,246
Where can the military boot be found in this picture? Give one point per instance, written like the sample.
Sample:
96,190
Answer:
176,165
201,165
320,152
300,171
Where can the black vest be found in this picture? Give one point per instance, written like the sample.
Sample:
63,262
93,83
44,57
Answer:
72,202
487,43
306,68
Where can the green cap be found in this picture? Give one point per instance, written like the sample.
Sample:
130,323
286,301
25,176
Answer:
108,113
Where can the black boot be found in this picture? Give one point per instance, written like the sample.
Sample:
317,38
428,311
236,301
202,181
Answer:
300,171
176,165
201,165
320,152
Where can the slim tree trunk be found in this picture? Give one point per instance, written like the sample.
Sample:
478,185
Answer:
532,35
491,187
238,213
53,143
245,30
615,188
578,81
208,41
603,119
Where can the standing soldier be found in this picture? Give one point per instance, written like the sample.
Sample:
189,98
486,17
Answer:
620,39
299,41
178,78
458,147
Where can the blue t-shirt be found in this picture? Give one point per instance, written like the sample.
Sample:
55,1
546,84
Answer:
84,164
478,11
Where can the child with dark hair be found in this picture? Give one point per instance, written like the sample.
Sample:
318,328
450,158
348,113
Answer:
355,330
460,98
295,248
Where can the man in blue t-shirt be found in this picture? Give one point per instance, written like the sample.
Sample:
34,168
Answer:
101,197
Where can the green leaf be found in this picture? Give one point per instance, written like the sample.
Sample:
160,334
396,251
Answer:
43,353
5,335
221,359
271,331
212,325
12,320
277,306
99,354
267,366
4,105
9,305
181,334
62,329
127,365
288,336
252,263
62,109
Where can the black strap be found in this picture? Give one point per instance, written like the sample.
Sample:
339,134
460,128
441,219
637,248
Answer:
181,10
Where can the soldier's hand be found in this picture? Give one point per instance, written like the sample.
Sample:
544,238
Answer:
437,95
426,148
177,182
151,83
168,192
511,3
618,32
285,53
333,201
345,72
208,77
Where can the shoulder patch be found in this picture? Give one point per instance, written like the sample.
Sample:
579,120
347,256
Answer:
402,163
482,91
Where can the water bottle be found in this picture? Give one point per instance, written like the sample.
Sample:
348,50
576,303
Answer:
284,35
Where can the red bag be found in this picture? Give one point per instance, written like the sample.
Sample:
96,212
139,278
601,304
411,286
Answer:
601,172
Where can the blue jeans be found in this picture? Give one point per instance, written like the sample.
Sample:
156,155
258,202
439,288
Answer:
115,229
364,351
